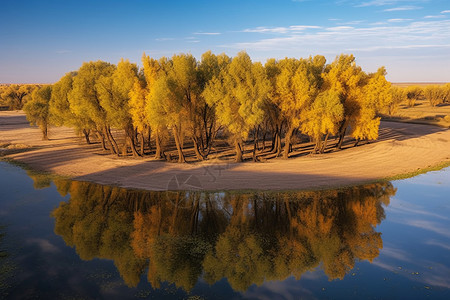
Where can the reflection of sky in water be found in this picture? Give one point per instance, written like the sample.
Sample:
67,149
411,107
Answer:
413,263
416,232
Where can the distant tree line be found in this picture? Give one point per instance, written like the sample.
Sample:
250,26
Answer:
14,96
185,100
435,94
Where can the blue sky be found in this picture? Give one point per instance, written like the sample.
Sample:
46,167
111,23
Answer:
42,40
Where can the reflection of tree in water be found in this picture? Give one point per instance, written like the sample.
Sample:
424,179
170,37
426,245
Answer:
247,238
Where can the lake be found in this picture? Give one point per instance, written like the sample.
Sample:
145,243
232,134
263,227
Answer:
77,240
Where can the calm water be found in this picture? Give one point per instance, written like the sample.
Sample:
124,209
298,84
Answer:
74,240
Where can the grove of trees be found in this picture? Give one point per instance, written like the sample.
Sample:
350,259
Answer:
189,103
14,96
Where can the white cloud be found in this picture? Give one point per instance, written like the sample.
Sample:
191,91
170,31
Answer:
398,34
403,8
377,3
356,22
445,12
434,17
382,2
398,20
292,28
207,33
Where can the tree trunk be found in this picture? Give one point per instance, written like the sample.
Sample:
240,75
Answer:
317,145
158,154
238,151
357,142
86,133
255,143
324,144
108,138
196,150
101,137
113,141
264,141
141,143
342,131
178,143
287,142
278,144
125,145
133,147
45,132
130,138
149,136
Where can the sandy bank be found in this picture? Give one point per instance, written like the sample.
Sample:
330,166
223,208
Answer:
401,148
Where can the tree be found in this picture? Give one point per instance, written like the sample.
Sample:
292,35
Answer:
114,96
273,117
413,93
377,96
238,94
297,86
60,112
446,93
85,102
207,128
137,111
16,95
346,78
184,101
323,118
434,93
37,109
398,96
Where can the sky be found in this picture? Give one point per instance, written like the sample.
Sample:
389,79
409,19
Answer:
40,41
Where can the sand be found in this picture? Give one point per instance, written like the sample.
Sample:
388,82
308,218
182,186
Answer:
401,148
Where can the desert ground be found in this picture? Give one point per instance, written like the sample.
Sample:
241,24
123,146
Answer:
401,148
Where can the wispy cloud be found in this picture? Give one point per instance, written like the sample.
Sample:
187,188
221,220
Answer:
402,8
434,17
445,12
398,20
377,3
356,22
207,33
383,2
289,29
398,34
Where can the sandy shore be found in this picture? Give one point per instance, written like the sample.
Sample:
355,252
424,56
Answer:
401,148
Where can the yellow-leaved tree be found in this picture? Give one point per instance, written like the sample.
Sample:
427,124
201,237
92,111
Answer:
60,112
85,102
238,94
114,95
37,109
297,86
323,118
376,96
347,79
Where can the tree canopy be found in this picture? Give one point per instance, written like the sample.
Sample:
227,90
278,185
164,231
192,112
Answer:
181,101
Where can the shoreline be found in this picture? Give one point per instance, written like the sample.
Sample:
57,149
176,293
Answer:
403,149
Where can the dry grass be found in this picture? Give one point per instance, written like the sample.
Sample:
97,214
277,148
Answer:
424,113
421,84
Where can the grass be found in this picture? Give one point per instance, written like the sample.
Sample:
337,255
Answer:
418,172
422,113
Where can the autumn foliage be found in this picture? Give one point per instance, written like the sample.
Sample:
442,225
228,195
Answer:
187,102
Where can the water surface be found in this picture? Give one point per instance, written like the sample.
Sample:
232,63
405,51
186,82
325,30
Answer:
70,239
